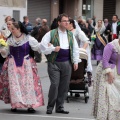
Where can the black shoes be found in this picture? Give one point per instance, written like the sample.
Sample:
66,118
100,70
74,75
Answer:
31,110
13,109
48,112
62,111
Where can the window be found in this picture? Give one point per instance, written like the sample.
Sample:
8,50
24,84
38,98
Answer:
16,15
86,8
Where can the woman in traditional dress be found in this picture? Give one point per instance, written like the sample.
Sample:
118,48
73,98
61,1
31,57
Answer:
99,42
83,42
21,86
106,87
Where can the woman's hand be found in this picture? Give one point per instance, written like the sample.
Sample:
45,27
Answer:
75,67
110,77
2,51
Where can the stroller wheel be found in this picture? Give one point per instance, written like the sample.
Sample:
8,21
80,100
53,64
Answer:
86,99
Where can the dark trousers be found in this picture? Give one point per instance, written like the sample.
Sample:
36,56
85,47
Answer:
59,74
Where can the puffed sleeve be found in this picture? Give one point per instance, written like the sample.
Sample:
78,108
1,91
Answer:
82,37
106,57
40,47
76,55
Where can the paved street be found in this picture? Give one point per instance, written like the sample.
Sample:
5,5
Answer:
79,110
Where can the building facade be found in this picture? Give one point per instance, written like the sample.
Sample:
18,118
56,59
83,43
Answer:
14,8
50,9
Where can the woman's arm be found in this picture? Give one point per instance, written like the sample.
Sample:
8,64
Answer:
76,55
105,62
44,46
82,37
85,45
106,56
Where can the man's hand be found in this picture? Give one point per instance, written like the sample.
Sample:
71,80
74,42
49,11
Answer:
110,77
57,48
75,67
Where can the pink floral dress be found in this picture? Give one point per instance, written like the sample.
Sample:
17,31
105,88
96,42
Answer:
20,84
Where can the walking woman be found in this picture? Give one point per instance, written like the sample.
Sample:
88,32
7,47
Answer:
21,86
99,42
106,87
83,42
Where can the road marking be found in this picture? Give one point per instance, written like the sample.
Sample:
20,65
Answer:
44,116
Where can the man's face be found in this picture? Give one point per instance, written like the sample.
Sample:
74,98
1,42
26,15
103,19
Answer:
114,18
64,23
26,20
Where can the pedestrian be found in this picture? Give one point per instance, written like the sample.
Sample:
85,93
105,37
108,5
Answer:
106,87
94,20
99,42
35,33
64,53
27,24
114,26
36,28
21,86
42,31
44,23
4,28
90,27
107,30
83,25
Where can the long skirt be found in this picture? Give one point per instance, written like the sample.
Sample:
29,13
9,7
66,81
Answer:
21,86
106,97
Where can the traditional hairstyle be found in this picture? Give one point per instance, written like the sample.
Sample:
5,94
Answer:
73,22
13,19
20,26
54,24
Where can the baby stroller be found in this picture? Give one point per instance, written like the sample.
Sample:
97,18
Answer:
78,82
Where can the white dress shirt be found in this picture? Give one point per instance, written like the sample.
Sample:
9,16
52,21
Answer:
114,26
63,40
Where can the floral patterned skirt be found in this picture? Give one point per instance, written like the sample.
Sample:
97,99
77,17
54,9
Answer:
21,86
106,97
